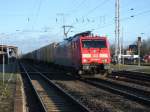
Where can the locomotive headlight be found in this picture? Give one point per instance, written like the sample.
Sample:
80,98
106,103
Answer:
86,55
103,55
85,60
104,60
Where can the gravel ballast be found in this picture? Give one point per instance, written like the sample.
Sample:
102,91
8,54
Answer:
99,100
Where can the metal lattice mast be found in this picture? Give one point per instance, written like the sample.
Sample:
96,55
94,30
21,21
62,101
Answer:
117,32
119,40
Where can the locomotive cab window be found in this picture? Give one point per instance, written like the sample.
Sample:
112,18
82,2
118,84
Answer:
94,44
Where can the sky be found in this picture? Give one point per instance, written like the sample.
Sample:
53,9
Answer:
31,24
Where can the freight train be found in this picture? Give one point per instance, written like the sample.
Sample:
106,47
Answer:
84,53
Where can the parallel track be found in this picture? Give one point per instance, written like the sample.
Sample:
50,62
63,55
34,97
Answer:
130,92
52,97
132,81
133,75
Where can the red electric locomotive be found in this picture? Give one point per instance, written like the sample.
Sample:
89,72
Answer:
85,53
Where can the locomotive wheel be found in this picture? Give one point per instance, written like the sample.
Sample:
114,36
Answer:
109,71
105,74
80,72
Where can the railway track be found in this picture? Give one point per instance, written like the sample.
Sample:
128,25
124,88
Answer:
52,98
130,92
31,100
132,81
133,75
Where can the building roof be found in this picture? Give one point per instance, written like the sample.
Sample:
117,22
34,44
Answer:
7,46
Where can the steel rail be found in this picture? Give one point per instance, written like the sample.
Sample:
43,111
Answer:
41,103
66,95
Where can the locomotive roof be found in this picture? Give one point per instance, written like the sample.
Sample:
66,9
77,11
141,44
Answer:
86,33
83,35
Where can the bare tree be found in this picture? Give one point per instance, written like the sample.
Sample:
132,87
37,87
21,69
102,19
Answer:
145,47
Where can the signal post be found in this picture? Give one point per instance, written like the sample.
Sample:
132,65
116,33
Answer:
139,50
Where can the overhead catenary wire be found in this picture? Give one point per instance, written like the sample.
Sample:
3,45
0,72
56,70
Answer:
37,13
92,10
30,16
96,7
109,24
124,19
77,9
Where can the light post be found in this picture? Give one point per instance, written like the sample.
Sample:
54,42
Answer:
3,61
3,65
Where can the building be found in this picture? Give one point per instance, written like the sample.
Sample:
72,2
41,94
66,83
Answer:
8,53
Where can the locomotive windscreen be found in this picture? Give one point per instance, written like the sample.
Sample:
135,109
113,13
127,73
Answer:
94,44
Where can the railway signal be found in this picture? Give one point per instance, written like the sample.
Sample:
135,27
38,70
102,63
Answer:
139,46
